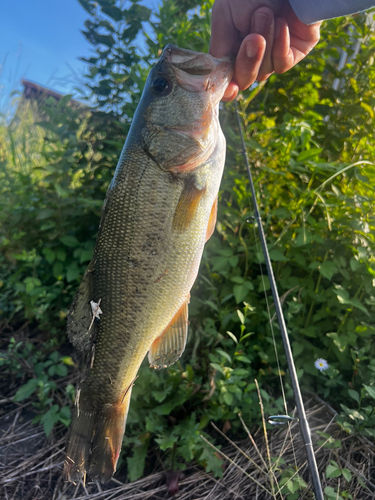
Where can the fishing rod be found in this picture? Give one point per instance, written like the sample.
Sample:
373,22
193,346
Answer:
304,426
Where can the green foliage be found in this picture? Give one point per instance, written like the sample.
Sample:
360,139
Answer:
24,360
311,148
291,484
334,470
50,202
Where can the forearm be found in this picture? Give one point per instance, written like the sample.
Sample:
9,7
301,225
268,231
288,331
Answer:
311,11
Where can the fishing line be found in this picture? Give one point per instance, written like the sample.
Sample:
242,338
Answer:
270,419
304,426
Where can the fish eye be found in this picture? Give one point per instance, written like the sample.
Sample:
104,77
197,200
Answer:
161,86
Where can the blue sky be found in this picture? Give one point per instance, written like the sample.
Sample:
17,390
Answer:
40,40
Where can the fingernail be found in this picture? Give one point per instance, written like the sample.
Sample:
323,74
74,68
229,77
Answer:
251,49
261,23
229,97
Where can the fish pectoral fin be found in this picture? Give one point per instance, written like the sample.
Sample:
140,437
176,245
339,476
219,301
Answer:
80,324
212,220
187,204
167,348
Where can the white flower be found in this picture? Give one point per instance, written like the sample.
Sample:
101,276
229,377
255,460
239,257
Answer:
321,364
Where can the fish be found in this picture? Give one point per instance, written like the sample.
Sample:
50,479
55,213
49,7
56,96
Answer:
159,211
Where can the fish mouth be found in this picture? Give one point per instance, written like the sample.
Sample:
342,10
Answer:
199,72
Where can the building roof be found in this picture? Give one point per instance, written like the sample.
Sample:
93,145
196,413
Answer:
37,92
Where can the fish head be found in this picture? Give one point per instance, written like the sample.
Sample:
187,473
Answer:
179,108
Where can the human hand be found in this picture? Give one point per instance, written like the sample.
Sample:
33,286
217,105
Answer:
261,43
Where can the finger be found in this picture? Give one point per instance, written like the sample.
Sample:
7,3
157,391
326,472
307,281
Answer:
224,34
249,60
262,22
282,55
231,92
292,46
231,21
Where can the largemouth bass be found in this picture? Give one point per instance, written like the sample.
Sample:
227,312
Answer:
159,211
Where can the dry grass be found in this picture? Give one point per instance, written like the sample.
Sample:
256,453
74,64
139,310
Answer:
31,464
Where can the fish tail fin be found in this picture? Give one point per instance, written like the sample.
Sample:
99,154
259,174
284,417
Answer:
95,442
107,442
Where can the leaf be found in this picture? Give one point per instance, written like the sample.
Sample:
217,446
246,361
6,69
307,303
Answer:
347,475
72,272
292,486
160,395
65,100
228,398
85,256
61,254
330,492
370,390
309,153
241,316
240,372
166,442
297,348
26,390
166,408
277,256
217,367
212,305
333,471
233,261
219,263
338,341
61,370
354,394
49,419
88,6
115,13
67,360
327,269
264,285
58,270
240,292
343,297
233,337
225,355
212,462
368,108
136,463
238,279
243,337
45,213
69,241
49,254
65,413
242,358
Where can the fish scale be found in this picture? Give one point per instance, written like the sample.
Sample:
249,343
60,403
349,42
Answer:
159,211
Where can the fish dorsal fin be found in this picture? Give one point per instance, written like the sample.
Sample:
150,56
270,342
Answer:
81,326
167,348
212,220
187,204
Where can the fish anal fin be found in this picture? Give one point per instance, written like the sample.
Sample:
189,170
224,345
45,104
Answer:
167,348
187,204
80,325
212,220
